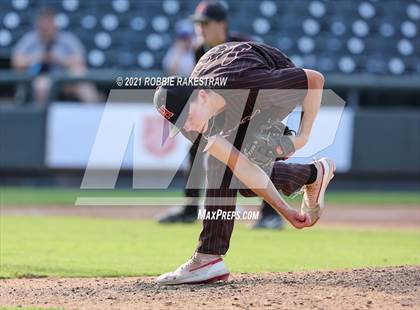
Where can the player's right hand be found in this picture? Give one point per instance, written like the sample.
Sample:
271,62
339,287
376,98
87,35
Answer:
297,219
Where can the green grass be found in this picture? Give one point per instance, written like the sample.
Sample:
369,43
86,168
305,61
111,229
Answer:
27,196
42,196
60,246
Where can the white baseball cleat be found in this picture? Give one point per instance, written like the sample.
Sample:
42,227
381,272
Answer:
200,268
313,194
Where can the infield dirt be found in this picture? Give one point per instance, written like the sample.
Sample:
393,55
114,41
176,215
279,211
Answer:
385,288
368,216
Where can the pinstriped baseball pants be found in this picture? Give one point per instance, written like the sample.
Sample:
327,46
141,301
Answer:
215,235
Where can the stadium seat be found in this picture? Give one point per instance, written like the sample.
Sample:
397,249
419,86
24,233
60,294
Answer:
379,37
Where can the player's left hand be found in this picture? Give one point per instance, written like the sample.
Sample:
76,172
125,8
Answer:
271,141
299,141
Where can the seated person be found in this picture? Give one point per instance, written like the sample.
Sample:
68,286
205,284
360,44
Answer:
48,50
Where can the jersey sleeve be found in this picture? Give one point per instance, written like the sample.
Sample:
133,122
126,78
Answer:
277,87
265,78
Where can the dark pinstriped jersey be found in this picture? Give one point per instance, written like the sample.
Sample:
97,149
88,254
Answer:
253,70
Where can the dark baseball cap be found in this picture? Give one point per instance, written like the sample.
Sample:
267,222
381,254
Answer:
210,10
173,103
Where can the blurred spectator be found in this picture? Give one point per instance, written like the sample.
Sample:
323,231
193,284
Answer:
211,26
46,51
179,60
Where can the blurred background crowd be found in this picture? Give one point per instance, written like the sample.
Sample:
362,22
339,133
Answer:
43,37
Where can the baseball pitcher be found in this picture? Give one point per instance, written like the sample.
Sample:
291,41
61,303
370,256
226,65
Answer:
241,130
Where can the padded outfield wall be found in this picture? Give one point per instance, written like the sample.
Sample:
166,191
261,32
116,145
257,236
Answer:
368,141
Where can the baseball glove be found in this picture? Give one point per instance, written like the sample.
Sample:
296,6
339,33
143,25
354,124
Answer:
270,142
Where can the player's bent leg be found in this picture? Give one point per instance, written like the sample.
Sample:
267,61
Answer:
313,194
290,178
200,268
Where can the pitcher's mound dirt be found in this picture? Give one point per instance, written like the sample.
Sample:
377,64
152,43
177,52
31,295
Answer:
385,288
